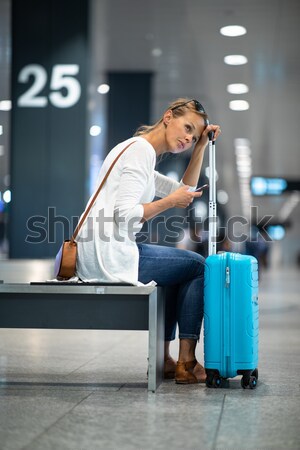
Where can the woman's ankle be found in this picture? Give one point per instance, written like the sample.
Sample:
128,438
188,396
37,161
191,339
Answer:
187,349
186,358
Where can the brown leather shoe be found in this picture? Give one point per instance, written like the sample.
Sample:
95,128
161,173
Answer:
184,372
199,373
169,369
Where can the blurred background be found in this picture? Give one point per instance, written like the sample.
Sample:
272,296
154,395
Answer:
76,77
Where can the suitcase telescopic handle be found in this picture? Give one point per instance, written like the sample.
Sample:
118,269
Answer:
212,216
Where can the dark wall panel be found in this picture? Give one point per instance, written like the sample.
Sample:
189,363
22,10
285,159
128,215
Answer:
128,104
48,142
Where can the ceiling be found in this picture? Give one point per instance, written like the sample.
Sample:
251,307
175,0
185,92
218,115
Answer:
124,35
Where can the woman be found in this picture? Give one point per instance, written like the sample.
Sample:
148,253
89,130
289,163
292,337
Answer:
107,251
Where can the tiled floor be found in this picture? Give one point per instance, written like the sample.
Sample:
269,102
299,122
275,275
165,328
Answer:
87,390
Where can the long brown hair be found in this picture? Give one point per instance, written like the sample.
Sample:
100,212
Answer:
179,108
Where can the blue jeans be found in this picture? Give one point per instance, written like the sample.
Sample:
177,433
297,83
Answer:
182,272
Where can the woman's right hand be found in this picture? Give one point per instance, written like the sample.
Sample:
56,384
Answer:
182,197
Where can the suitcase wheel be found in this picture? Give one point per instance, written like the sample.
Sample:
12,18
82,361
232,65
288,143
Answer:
216,381
213,381
250,380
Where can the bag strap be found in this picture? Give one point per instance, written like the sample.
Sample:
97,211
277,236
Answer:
79,225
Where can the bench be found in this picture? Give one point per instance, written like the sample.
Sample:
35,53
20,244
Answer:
89,306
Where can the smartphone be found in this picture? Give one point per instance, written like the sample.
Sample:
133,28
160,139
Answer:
205,186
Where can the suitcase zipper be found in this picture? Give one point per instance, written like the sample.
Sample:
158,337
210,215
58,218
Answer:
227,277
227,331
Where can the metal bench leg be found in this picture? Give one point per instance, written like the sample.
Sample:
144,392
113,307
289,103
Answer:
156,338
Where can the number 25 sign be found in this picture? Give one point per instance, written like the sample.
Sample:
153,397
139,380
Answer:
62,77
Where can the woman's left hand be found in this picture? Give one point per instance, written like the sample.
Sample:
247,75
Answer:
203,141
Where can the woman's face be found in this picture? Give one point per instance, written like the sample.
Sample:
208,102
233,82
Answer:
182,132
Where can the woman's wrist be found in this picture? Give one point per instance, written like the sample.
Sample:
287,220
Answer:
167,202
157,207
199,149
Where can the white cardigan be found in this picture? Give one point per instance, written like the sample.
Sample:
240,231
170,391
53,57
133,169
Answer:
107,251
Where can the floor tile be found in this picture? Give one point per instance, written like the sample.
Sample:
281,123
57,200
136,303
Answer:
26,414
155,422
258,422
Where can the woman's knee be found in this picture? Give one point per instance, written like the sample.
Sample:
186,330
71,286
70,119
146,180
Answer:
198,262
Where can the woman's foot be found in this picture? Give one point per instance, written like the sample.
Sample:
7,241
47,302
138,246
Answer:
189,372
169,369
199,373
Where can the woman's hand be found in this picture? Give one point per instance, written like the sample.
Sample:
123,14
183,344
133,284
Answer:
192,173
203,141
182,197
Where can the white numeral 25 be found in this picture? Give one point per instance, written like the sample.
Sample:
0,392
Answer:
62,77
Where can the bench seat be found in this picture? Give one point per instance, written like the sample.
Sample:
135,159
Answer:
89,306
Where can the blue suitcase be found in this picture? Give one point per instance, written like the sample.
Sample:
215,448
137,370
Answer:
230,308
231,318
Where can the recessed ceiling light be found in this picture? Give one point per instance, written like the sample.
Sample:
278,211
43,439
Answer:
237,88
1,129
7,196
235,60
243,160
5,105
242,151
222,197
233,30
242,142
156,52
239,105
103,88
95,130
